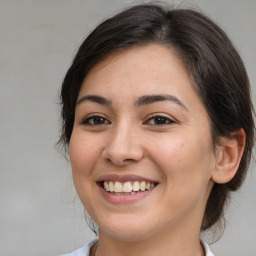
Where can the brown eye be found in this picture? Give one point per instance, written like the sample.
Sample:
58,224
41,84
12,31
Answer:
159,120
95,120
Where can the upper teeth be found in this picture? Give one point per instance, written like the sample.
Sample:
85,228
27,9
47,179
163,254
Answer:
128,186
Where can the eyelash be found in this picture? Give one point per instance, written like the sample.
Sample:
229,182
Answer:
104,121
160,117
87,120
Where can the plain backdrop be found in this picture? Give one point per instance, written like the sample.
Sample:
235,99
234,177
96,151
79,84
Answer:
40,213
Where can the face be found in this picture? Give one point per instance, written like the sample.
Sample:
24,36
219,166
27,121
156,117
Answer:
141,149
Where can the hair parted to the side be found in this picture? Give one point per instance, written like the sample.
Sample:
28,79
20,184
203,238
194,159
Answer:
219,75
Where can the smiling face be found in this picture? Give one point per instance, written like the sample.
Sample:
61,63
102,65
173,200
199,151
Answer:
141,148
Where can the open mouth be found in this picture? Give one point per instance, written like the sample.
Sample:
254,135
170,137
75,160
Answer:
127,187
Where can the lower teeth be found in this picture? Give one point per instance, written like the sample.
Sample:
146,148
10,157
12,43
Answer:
123,193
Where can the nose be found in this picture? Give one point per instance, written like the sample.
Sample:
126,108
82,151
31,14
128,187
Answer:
123,146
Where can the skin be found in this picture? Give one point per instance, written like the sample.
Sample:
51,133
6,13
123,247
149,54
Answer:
178,154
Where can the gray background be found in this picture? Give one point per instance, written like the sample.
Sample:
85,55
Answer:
40,213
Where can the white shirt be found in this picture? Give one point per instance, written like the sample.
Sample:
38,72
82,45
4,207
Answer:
85,250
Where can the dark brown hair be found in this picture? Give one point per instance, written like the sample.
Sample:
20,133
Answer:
219,75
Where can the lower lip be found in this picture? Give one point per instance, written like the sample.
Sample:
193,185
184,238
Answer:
122,199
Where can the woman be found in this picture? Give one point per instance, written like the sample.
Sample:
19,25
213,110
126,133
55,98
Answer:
158,120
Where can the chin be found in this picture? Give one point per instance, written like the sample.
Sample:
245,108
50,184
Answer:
130,230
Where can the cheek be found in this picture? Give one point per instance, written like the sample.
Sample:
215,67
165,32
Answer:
77,152
186,168
82,157
183,159
82,151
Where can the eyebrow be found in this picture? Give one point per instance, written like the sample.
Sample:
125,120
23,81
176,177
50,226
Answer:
96,99
149,99
141,101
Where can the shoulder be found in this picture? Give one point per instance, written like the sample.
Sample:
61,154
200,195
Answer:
83,251
207,249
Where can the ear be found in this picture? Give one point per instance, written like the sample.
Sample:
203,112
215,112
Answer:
229,154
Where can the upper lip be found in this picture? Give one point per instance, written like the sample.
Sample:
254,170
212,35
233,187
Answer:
123,178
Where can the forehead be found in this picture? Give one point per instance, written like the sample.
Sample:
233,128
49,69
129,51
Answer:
151,64
152,51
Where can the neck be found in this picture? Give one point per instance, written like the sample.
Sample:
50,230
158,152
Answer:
175,244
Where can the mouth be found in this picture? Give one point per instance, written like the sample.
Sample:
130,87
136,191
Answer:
127,187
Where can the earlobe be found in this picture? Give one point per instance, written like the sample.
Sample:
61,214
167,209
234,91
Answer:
229,154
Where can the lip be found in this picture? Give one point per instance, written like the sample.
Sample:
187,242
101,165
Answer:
126,198
123,178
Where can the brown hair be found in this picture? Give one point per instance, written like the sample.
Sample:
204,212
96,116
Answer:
220,78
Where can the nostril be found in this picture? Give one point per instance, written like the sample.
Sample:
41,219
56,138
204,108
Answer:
108,160
119,161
